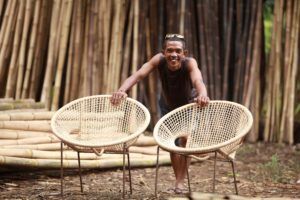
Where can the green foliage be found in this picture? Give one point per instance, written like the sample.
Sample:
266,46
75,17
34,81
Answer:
268,23
272,169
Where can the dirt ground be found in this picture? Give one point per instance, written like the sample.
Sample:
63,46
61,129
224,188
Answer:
263,170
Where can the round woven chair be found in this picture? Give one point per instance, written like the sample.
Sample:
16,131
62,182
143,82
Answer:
93,124
219,128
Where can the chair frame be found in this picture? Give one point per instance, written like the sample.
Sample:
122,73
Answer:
216,149
79,148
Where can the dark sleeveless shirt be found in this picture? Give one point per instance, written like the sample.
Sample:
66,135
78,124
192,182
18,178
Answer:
176,85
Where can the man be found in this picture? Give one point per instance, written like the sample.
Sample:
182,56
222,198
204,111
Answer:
182,83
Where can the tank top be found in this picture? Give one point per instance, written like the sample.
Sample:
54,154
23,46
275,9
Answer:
176,85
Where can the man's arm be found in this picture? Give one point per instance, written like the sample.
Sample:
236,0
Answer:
197,81
144,71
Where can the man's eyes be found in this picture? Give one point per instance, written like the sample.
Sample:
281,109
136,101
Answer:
176,50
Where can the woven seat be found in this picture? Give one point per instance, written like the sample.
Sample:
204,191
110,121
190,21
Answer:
219,127
93,124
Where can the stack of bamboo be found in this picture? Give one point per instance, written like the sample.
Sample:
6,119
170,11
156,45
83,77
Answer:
26,140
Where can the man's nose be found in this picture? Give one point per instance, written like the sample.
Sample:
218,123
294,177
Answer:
173,55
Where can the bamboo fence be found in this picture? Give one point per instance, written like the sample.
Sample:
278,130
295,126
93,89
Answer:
59,50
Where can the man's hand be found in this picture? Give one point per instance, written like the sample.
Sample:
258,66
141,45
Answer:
202,100
117,97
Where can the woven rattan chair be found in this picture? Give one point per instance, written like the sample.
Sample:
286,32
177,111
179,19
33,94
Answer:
219,128
93,124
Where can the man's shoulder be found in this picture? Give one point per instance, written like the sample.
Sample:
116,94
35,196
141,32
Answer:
190,61
157,59
189,58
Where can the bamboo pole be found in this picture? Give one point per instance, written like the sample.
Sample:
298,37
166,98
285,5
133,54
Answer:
202,44
39,56
113,48
106,38
22,54
2,5
19,134
90,48
15,105
228,40
5,34
254,87
270,74
84,69
11,83
152,79
120,38
128,45
295,65
78,7
31,49
135,45
32,140
36,125
62,53
69,154
182,13
253,59
70,58
50,66
148,161
26,116
287,71
216,46
4,23
96,70
276,92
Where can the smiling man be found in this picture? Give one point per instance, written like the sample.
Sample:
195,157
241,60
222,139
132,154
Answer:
182,83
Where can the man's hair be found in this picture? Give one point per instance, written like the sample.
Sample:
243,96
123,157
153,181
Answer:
174,37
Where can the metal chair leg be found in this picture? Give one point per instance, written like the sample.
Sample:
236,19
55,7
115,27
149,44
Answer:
61,170
233,171
129,169
214,179
187,174
79,170
156,173
124,170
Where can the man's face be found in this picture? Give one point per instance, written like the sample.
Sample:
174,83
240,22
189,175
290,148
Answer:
174,54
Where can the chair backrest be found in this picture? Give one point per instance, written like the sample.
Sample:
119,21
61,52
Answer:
207,128
94,122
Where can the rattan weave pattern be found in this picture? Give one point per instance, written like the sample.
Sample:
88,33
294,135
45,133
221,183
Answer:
220,125
93,122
